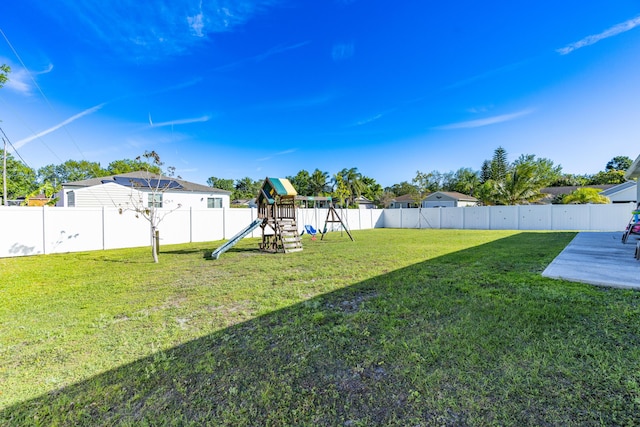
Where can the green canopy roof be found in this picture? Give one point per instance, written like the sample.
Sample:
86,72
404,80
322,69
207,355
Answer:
273,187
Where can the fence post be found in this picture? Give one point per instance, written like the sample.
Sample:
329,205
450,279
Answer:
224,223
44,232
103,229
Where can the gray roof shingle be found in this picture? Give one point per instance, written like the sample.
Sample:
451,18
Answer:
186,185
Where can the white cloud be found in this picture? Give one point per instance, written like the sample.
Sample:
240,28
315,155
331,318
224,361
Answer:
151,30
488,74
372,119
369,120
279,49
22,80
480,109
262,56
484,122
197,24
281,153
595,38
179,122
342,51
59,125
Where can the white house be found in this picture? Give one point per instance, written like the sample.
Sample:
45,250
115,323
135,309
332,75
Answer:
445,199
364,203
121,190
621,193
402,202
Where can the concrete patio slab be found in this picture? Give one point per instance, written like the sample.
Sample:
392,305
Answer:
598,258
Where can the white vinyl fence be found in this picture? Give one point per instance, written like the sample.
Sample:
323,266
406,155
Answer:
610,217
46,230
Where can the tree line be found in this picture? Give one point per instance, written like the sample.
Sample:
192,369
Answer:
497,182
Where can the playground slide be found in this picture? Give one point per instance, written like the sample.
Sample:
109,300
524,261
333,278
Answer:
235,239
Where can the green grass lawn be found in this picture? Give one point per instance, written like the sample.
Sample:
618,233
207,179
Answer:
400,327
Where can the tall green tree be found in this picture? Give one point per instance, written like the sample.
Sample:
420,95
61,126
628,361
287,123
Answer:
221,183
544,170
341,190
423,185
401,189
519,185
464,180
70,171
613,176
372,190
521,181
620,163
246,188
301,182
319,183
499,165
21,179
128,165
570,180
385,198
352,179
485,171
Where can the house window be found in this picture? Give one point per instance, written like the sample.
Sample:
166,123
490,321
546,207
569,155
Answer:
214,202
71,199
155,200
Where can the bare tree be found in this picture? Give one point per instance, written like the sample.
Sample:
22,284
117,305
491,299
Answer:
147,196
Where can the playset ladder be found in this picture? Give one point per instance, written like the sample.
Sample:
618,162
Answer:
289,235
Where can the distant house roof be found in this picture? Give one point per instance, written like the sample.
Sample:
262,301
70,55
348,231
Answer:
452,195
556,191
244,202
363,200
404,198
618,188
142,179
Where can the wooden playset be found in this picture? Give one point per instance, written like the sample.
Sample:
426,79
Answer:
277,209
277,219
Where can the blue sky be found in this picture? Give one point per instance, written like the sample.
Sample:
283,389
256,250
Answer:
269,87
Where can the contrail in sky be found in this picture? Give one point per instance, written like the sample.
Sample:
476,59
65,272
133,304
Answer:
24,141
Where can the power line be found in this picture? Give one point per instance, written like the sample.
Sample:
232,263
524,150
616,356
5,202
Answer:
5,137
52,110
41,91
30,130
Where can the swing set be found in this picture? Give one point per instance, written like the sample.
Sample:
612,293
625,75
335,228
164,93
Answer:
332,216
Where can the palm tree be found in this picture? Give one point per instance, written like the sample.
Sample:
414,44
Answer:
464,181
318,182
372,190
520,185
353,181
586,195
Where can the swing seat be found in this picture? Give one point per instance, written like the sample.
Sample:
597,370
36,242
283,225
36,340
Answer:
311,231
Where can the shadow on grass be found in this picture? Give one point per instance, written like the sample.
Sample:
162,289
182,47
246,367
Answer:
475,337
